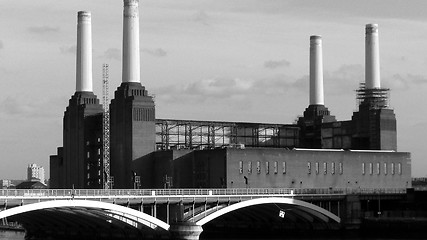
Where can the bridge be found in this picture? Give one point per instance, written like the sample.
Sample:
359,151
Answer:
176,213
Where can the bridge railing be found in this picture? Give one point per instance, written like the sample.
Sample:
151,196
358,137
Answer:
71,193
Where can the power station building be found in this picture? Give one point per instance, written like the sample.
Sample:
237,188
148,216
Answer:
316,152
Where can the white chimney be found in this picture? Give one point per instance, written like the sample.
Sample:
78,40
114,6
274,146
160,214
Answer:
130,69
316,71
84,53
372,57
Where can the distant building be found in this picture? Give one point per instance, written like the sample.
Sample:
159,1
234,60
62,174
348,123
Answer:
5,183
78,163
278,168
419,184
31,185
316,151
35,172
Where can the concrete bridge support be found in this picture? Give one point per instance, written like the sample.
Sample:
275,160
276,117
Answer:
352,212
185,231
176,213
181,229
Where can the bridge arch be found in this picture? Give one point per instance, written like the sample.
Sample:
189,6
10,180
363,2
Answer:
310,208
127,214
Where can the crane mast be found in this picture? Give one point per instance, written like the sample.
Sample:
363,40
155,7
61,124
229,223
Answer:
106,127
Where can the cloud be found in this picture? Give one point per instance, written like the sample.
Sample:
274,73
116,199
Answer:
343,80
113,53
232,98
399,82
347,78
277,64
158,52
205,90
19,107
201,17
322,10
11,106
43,29
225,89
1,45
68,50
219,87
279,85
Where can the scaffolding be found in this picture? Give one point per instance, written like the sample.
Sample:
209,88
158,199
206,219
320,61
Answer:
191,134
376,98
106,126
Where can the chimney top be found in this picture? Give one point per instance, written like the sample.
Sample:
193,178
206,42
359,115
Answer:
371,28
83,15
131,2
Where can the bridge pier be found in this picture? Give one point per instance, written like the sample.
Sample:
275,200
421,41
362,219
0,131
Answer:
185,231
352,219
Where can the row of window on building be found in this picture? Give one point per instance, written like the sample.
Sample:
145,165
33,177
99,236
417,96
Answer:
283,167
378,171
325,168
332,170
88,142
267,167
90,182
90,165
88,153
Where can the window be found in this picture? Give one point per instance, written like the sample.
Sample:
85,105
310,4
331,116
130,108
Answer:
267,167
309,167
341,168
249,167
275,167
317,168
258,167
385,168
284,167
88,166
99,172
99,140
333,168
399,168
378,168
363,168
99,151
87,143
88,154
325,168
88,175
392,168
240,166
371,170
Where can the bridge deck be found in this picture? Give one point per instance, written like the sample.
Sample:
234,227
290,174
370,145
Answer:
161,196
23,193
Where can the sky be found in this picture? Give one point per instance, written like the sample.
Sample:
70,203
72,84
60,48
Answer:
223,60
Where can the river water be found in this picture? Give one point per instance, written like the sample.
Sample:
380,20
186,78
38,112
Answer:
15,235
11,235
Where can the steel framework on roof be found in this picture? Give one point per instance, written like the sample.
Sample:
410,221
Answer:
191,134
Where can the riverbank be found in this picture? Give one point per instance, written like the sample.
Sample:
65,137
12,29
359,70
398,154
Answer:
370,228
12,228
402,228
12,234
